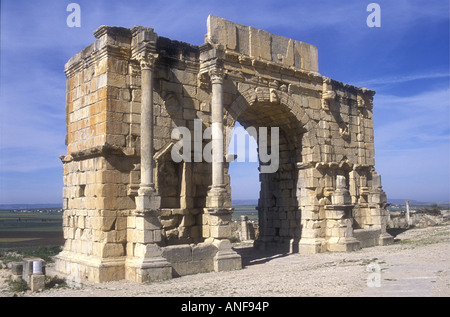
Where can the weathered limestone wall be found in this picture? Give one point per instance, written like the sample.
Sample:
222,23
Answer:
96,177
116,226
261,45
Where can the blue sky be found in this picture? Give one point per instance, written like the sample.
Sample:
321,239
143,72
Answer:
406,61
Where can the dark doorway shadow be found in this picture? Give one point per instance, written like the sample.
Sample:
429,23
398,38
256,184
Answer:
252,256
395,232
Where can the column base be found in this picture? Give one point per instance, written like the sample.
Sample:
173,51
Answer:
147,269
37,282
344,244
311,245
149,201
385,239
218,222
80,268
218,197
226,259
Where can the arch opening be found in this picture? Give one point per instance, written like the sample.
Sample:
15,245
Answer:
277,205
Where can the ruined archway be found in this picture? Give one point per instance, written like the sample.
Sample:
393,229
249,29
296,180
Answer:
143,216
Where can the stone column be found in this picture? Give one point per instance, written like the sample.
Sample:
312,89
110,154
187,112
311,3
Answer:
218,209
408,215
148,199
218,186
144,254
244,229
218,201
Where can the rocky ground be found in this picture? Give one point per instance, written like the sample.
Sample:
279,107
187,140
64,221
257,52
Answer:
417,264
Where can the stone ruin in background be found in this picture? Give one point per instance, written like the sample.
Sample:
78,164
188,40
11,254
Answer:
132,212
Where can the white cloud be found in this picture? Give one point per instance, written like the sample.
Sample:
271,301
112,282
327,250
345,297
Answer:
385,81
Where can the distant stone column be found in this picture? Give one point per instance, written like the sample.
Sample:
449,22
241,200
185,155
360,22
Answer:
244,228
408,216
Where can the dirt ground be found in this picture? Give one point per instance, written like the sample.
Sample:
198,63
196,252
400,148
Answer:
417,264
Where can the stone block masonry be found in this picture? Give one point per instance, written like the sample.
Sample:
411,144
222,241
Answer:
132,212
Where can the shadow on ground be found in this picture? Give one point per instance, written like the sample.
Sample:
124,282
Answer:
252,256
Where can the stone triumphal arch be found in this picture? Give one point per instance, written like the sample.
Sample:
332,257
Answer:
133,212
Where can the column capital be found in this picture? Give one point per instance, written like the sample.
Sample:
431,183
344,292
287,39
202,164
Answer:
147,60
217,75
